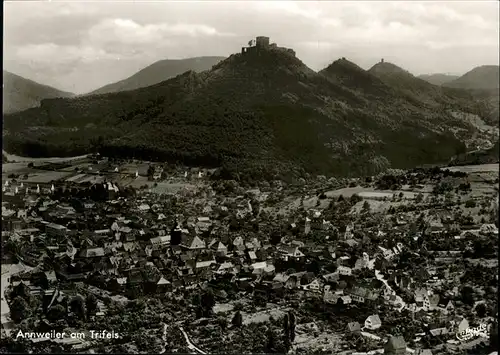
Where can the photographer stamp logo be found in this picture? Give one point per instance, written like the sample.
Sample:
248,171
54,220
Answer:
482,330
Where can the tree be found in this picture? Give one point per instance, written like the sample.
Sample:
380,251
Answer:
271,342
77,306
207,302
19,309
366,207
222,321
21,290
470,203
237,319
91,305
494,336
481,310
467,295
293,321
275,238
419,198
355,198
56,313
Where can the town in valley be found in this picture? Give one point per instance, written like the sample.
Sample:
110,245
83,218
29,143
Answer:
172,259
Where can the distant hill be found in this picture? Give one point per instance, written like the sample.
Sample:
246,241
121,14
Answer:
158,72
438,79
488,156
349,74
418,90
259,114
483,77
483,102
21,94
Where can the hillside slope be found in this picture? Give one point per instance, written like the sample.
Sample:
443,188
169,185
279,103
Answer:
158,72
438,79
482,102
255,114
21,94
483,77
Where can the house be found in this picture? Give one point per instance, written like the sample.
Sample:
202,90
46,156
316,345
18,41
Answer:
51,277
445,305
259,265
348,231
332,277
361,263
192,242
159,242
488,229
203,223
423,352
281,277
354,327
219,248
225,268
122,282
433,302
290,253
238,242
387,253
204,264
358,294
56,230
419,295
344,270
313,286
436,331
144,207
163,285
395,346
373,322
462,326
345,300
92,253
252,256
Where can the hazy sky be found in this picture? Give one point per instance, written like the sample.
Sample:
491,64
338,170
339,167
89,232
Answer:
80,46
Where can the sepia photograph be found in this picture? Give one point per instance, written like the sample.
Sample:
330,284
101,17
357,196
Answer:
250,177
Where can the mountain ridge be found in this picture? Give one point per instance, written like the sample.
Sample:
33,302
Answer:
21,94
258,114
482,77
159,71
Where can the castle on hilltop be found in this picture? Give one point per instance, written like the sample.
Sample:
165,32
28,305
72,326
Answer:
261,43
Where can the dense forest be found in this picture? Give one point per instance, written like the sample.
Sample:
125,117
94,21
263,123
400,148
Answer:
260,114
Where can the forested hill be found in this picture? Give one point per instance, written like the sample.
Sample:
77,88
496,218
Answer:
482,77
255,114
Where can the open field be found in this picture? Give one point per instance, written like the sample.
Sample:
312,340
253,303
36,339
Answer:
15,168
18,159
475,168
370,193
263,316
323,341
46,177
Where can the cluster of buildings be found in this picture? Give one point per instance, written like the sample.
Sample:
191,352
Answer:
261,43
147,245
